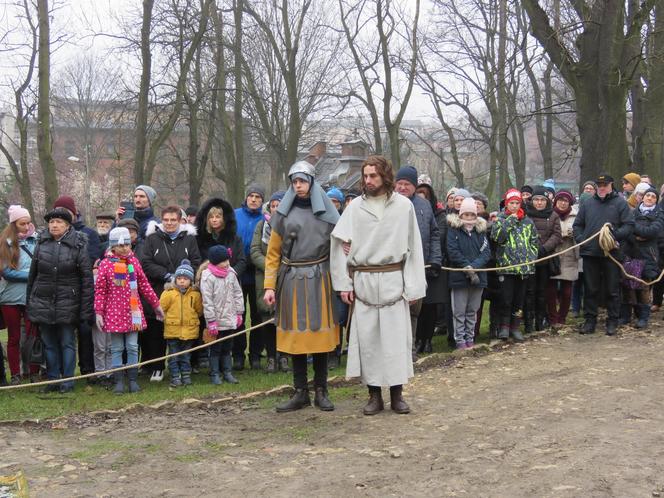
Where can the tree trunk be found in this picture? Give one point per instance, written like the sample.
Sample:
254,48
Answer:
143,94
43,107
238,120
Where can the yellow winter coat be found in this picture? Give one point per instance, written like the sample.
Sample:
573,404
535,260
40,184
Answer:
181,312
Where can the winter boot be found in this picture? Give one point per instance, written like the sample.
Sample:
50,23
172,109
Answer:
375,403
515,331
283,364
540,323
119,382
322,401
238,363
271,366
504,332
625,314
176,381
214,370
397,403
611,327
132,374
644,316
300,399
528,322
428,347
588,327
186,378
227,370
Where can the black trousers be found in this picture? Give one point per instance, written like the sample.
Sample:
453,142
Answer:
270,339
153,344
256,336
535,300
658,293
300,370
86,359
426,321
512,293
600,275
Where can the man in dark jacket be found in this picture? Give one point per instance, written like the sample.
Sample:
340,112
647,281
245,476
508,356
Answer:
248,215
406,185
86,361
166,245
142,212
599,272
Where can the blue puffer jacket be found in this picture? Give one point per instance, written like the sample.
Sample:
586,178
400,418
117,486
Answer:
426,221
464,248
247,219
14,285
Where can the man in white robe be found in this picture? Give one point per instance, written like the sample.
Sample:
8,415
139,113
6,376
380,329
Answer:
381,274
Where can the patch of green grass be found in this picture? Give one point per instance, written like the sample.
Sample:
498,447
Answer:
98,448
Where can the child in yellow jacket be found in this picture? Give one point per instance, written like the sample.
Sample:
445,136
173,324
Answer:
183,306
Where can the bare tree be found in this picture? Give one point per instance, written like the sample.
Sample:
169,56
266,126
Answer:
43,105
595,53
383,61
23,100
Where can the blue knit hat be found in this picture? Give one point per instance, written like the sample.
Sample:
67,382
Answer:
277,196
218,254
336,194
185,270
408,173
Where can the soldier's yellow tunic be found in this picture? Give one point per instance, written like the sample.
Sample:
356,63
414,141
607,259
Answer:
297,267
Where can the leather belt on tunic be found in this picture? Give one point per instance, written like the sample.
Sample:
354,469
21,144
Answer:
390,267
288,262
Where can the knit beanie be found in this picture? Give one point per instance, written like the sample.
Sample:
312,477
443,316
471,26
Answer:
641,188
549,185
654,191
408,173
218,254
149,191
512,194
451,192
277,196
254,188
424,178
468,206
17,212
185,270
461,192
564,194
335,193
64,201
527,188
119,236
191,211
591,183
632,178
539,190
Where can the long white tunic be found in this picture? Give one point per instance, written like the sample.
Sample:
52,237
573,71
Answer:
379,349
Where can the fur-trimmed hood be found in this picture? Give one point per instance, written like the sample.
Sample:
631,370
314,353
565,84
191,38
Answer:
454,221
205,239
155,226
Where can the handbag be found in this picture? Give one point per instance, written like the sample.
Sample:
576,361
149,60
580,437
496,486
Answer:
554,266
33,347
633,267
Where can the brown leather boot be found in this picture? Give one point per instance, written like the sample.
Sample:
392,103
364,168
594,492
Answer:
397,403
375,403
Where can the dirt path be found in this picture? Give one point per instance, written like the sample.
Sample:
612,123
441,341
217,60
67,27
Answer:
559,416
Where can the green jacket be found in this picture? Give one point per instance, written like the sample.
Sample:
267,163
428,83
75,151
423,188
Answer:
516,242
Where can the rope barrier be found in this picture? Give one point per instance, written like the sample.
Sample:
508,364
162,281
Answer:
135,365
606,242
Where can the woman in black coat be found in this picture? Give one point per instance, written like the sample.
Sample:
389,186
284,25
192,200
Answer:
437,291
215,224
60,293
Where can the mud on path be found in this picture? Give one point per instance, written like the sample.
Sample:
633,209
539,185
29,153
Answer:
559,416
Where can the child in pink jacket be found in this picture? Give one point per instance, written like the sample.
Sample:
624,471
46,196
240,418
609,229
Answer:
118,309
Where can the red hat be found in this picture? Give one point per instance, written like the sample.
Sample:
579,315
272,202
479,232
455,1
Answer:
64,201
512,194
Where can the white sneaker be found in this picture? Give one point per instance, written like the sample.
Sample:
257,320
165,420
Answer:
157,376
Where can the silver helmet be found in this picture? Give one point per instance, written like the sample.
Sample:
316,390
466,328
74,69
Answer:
302,167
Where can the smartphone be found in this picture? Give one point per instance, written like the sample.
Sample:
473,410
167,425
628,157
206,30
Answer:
129,209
